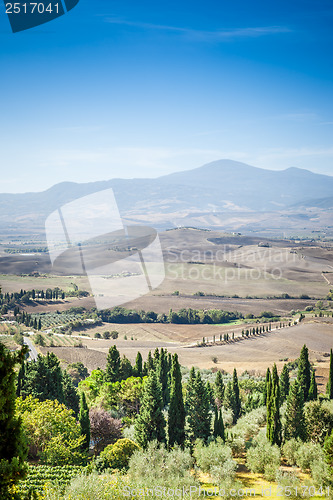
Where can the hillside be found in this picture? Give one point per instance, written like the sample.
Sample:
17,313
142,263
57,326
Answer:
223,194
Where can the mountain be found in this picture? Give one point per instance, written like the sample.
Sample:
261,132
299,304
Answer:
223,186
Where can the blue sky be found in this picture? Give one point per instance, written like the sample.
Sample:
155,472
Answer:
141,89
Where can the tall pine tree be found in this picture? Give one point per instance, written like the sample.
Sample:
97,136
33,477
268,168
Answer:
176,420
197,408
284,384
150,423
13,449
219,389
313,391
237,410
294,417
304,371
138,365
267,381
162,371
329,386
112,371
84,422
274,430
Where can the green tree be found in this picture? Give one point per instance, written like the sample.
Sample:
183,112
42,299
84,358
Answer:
329,386
304,371
218,424
162,372
150,423
84,422
44,379
13,449
197,408
150,363
219,389
274,431
267,381
284,383
138,365
313,391
294,417
234,402
71,397
113,373
176,420
126,369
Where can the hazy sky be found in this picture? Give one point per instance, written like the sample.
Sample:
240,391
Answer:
140,89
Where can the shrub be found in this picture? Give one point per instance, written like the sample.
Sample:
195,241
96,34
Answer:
308,453
290,484
262,457
117,455
216,458
155,466
321,473
290,449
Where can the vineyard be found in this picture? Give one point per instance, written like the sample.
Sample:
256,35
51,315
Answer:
40,475
65,319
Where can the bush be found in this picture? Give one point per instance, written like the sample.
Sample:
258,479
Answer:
321,473
216,459
117,455
155,466
308,453
290,484
262,457
290,449
318,421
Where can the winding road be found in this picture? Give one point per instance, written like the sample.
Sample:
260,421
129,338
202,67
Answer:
32,350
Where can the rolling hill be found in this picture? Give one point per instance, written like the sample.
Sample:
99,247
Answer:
209,196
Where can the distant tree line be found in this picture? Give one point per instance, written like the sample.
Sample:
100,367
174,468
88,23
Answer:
183,316
15,299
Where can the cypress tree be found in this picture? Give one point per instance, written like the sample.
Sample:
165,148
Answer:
210,393
150,423
304,371
294,418
268,377
284,384
237,401
197,408
162,372
156,358
84,421
219,389
274,430
13,449
71,397
138,365
176,420
20,379
112,371
218,424
329,386
150,363
313,391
